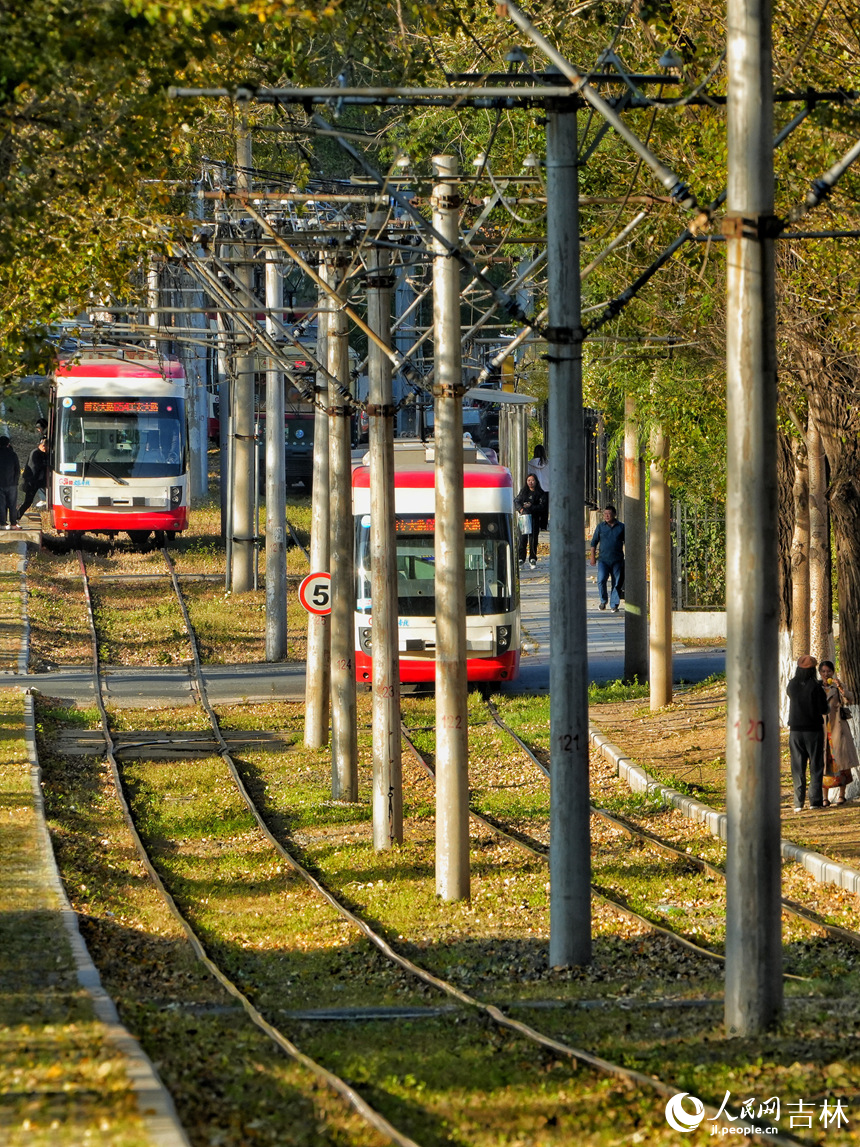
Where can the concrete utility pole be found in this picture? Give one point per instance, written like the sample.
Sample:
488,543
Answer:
222,344
570,829
452,697
198,391
518,446
244,477
317,680
660,538
635,582
344,735
753,996
276,501
153,299
387,778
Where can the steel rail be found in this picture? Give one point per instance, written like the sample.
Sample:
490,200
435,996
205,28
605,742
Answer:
559,1048
360,1105
767,1136
449,989
528,844
658,844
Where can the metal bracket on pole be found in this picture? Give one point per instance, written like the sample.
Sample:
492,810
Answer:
752,226
453,391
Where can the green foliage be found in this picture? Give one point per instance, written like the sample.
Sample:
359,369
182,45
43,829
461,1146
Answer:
608,692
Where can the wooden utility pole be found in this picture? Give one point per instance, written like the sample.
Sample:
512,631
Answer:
243,470
276,505
317,680
344,735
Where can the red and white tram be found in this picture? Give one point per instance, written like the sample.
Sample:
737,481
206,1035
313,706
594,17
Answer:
492,574
118,454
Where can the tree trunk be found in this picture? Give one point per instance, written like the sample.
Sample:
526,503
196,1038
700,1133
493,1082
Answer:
833,392
820,590
800,603
785,474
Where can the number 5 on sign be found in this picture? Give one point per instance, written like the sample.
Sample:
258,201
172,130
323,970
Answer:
315,593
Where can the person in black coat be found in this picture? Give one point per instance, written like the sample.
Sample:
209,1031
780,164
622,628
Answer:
807,705
534,501
35,475
10,469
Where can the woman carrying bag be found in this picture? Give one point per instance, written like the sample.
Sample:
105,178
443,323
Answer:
532,505
840,751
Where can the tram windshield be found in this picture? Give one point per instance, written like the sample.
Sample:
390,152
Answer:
120,438
488,561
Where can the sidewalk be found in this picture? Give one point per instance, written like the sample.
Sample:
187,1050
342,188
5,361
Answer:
605,633
70,1073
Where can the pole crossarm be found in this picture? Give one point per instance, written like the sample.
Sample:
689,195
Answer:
508,304
678,190
616,305
397,360
249,327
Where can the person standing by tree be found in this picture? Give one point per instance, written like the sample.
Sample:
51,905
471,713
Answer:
10,470
609,540
806,711
840,753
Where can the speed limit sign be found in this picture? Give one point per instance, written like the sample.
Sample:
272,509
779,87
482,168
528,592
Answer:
315,593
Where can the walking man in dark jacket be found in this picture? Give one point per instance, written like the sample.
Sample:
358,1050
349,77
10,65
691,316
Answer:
35,475
806,710
10,471
608,539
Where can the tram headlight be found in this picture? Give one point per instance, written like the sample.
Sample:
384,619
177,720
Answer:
175,495
503,638
365,638
66,495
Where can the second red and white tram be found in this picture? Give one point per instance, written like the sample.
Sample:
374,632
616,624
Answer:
118,452
491,605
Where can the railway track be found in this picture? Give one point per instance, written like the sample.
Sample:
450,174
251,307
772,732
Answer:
667,848
490,1012
340,1086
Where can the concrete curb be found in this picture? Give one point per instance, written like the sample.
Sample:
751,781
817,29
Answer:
24,651
820,867
154,1100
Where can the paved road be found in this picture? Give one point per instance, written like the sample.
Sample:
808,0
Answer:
605,637
137,688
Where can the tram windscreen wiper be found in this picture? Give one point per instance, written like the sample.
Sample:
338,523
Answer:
475,595
85,462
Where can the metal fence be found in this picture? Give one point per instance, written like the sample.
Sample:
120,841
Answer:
698,557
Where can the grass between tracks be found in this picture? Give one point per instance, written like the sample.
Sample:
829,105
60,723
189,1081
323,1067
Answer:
139,623
442,1081
62,1083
